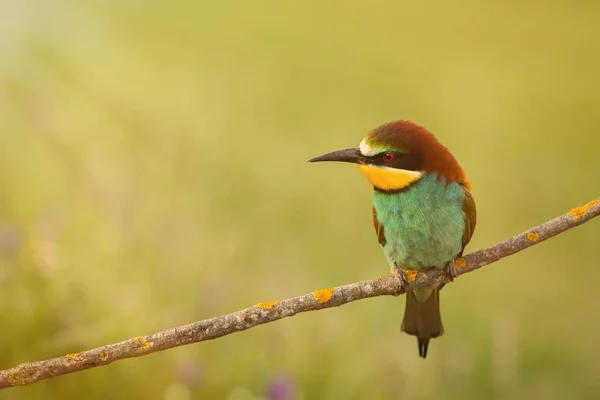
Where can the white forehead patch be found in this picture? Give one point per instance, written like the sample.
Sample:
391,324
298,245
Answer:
365,149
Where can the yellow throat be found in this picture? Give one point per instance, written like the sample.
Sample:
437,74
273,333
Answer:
385,178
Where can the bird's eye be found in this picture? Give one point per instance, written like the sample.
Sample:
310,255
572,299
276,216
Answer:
389,157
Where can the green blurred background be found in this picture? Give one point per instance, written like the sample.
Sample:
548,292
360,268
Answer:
153,172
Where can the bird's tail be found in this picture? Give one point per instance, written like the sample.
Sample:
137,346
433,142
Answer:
422,316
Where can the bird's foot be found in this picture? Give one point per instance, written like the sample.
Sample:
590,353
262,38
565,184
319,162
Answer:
450,270
405,276
400,275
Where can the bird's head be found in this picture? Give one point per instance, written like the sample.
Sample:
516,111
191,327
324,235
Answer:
398,154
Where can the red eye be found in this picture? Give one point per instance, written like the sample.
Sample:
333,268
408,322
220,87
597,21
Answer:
389,157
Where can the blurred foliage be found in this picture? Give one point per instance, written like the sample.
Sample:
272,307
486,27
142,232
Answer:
152,173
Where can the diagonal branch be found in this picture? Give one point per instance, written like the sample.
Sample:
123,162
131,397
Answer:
262,313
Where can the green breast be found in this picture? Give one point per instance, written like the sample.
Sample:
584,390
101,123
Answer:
423,225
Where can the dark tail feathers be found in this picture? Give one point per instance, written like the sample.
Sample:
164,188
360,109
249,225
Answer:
422,318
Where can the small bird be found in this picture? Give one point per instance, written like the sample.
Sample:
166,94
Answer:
423,211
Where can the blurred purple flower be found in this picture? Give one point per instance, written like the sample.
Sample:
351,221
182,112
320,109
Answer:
280,387
190,373
10,240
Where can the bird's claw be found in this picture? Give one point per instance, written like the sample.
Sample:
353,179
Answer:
400,275
451,271
405,276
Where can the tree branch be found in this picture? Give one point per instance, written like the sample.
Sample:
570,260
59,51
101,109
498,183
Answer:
262,313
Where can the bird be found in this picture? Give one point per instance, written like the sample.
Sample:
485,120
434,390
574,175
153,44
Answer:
424,213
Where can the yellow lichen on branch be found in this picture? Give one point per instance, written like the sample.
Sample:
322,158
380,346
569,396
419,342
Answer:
533,236
267,305
323,295
410,275
17,378
459,263
143,344
74,357
579,212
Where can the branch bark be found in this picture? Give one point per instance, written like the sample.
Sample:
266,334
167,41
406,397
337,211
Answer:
261,313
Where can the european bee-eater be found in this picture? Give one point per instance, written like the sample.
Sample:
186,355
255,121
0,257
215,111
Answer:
423,211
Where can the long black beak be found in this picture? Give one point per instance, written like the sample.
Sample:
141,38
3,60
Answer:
346,155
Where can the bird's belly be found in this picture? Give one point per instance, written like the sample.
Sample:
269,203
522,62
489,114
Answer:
421,247
423,226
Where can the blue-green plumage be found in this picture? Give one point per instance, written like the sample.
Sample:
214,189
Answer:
423,225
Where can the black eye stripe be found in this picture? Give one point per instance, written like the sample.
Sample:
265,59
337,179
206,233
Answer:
411,162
